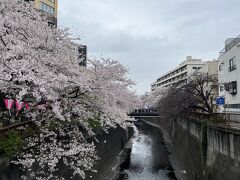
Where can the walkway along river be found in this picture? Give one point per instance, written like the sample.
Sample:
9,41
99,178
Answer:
148,157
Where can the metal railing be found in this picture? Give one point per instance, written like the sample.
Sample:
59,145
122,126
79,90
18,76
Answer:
231,120
143,112
15,125
7,122
229,46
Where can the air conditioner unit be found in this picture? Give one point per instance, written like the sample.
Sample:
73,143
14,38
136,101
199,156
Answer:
232,91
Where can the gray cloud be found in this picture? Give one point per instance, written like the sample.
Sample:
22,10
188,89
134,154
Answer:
151,36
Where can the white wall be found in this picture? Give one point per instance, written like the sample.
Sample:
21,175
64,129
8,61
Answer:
224,76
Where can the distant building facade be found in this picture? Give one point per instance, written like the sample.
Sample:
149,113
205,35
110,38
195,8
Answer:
185,69
211,68
50,7
229,76
153,86
81,55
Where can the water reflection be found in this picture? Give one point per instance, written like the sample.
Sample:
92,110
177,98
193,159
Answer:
149,158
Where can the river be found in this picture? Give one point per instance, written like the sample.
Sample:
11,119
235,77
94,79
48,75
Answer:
148,158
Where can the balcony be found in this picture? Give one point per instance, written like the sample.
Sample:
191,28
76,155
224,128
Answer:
229,46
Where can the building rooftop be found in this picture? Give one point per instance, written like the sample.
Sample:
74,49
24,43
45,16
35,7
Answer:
229,44
188,60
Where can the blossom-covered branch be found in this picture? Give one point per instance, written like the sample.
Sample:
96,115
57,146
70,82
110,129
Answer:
37,64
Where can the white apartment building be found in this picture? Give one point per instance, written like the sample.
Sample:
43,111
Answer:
181,72
211,68
229,76
153,86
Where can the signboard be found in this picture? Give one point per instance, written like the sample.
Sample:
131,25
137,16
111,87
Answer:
220,100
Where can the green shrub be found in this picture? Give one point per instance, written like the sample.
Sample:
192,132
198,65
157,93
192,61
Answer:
94,123
11,144
29,132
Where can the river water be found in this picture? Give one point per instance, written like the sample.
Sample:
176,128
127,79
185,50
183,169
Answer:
149,158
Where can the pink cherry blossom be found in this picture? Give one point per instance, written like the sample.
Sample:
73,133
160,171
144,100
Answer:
37,62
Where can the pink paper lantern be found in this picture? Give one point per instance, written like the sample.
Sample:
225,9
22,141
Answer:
27,106
19,105
9,103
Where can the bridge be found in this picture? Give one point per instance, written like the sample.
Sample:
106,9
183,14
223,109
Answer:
144,112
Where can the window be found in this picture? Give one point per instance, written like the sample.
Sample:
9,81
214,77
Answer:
221,87
53,1
184,68
220,68
233,87
46,8
226,86
237,106
51,24
232,64
196,68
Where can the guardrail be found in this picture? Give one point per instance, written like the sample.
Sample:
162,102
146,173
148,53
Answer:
224,119
7,122
144,112
15,125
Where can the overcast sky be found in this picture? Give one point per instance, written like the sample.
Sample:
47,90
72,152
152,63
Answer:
151,36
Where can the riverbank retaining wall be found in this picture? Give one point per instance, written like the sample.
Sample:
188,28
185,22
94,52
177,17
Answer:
109,146
205,151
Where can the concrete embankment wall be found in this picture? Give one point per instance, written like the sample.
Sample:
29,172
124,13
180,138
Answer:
108,148
204,151
109,145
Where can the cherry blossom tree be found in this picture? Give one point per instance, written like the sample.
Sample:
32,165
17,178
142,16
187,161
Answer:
37,64
152,99
110,88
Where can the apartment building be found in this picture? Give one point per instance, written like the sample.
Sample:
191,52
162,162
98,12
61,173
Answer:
229,76
153,86
211,68
49,7
181,72
81,55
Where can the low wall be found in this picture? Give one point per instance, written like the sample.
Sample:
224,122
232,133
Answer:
109,146
204,151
